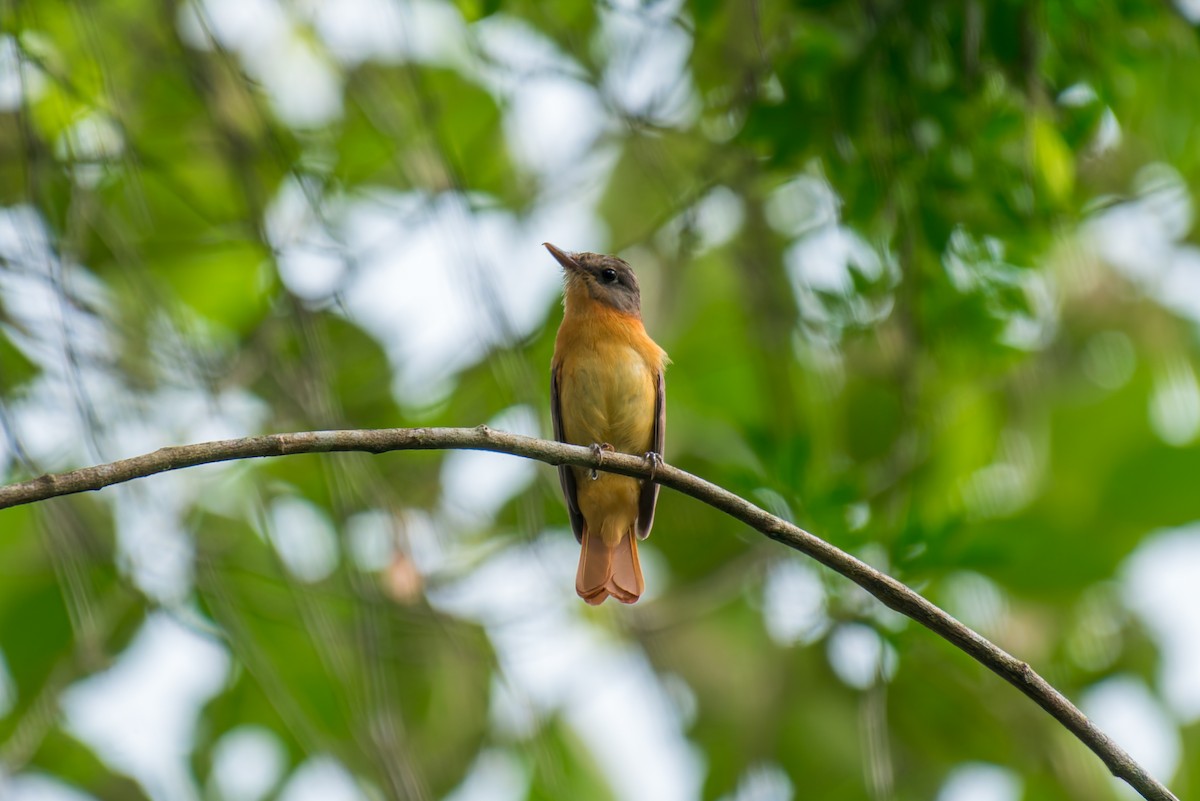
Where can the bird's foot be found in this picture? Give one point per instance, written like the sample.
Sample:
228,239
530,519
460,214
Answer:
656,461
598,450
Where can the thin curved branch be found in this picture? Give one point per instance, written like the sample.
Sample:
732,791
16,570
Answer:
888,590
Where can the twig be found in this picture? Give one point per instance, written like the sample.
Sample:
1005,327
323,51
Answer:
888,590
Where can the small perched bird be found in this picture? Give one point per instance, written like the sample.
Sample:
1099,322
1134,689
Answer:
607,392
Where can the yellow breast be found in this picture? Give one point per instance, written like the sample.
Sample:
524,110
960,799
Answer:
607,395
608,368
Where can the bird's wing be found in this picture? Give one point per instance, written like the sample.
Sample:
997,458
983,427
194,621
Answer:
565,477
648,498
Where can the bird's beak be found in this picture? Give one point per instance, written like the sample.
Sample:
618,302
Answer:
565,259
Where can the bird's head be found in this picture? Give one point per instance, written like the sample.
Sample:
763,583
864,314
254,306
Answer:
600,278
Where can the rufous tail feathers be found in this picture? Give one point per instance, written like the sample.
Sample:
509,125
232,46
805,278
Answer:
606,570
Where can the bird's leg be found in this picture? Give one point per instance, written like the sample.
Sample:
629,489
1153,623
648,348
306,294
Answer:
598,449
656,461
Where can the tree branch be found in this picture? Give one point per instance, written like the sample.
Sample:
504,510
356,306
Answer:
888,590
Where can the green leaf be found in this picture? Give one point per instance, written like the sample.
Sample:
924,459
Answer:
15,367
1053,161
226,282
65,758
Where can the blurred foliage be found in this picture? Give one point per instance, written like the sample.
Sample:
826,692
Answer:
867,237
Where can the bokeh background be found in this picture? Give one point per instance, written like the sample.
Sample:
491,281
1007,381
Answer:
929,275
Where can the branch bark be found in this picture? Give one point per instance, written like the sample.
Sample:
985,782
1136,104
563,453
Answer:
888,590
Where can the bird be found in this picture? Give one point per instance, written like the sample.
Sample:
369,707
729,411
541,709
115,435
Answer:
606,392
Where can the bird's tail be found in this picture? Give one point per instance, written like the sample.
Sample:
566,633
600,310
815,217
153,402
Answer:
606,570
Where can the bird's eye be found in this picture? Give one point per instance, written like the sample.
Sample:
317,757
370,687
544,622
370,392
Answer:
608,275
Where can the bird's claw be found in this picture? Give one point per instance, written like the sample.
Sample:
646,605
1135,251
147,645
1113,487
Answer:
656,461
598,449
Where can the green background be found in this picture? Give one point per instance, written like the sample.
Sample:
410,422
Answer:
928,276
